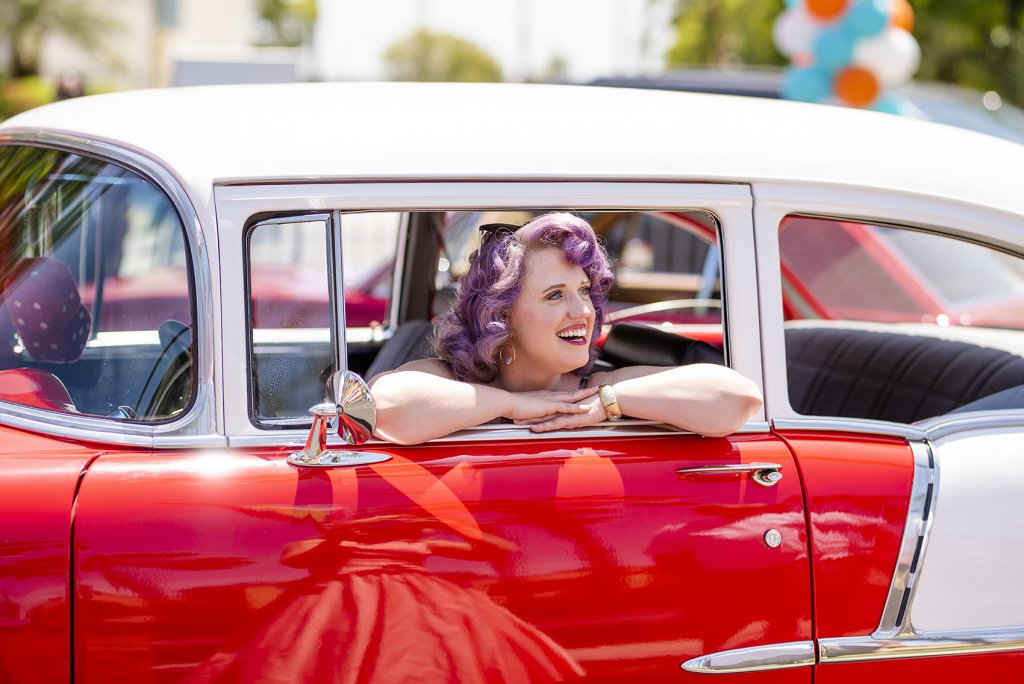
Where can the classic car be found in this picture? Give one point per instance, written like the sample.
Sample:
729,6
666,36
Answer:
192,491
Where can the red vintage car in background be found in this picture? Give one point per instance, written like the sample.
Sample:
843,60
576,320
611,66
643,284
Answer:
181,278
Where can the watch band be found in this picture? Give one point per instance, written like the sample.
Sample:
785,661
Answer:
611,406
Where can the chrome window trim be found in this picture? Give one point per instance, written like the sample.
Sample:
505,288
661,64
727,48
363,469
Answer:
198,425
509,434
853,425
332,259
754,659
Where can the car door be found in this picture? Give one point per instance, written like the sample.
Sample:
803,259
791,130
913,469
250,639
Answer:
619,552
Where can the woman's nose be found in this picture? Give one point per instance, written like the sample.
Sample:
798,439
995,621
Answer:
579,307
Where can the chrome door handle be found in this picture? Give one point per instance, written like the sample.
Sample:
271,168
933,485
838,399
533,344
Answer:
765,474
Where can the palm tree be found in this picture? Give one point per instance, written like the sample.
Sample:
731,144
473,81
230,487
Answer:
26,23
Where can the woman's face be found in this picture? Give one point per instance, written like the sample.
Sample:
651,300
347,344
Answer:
553,319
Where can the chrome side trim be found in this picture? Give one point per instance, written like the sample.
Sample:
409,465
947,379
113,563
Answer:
198,425
854,649
754,659
895,619
943,426
861,426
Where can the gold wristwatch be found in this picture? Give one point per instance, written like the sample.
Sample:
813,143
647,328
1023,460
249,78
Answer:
611,407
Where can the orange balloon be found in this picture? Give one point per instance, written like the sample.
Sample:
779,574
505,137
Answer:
902,15
825,9
856,86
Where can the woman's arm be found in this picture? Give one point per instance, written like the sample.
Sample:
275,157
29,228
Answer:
707,399
422,400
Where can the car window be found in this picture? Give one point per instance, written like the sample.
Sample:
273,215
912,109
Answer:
290,305
898,324
96,317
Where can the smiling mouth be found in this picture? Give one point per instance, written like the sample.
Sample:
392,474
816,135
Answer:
577,336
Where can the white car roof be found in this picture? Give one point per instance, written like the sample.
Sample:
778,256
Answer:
337,131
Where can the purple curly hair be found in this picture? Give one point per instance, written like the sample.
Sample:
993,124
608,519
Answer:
469,336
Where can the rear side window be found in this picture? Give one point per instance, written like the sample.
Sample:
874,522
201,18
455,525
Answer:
899,324
96,311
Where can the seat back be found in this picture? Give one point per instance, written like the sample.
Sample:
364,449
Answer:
410,342
891,376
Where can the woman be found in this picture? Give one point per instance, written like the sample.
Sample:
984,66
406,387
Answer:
520,342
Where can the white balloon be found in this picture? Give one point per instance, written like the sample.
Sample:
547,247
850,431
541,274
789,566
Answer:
794,31
893,56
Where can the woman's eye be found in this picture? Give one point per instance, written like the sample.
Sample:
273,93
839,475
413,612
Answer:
557,294
585,291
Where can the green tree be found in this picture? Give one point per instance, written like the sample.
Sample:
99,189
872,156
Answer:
430,56
287,23
724,32
26,23
978,44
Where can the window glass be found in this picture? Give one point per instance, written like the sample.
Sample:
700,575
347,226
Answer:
96,314
290,316
290,305
898,324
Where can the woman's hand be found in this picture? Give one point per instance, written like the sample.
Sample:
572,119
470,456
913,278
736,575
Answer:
528,408
589,411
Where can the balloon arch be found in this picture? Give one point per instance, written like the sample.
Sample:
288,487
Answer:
851,52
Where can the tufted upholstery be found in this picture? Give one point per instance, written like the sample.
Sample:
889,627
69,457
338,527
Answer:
889,376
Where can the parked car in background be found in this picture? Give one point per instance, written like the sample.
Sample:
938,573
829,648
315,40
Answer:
940,102
196,281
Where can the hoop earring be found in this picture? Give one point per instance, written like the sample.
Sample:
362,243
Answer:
507,354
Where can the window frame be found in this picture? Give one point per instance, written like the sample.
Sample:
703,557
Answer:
196,425
941,216
731,204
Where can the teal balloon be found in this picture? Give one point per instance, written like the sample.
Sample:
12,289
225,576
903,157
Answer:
890,104
805,84
867,17
833,49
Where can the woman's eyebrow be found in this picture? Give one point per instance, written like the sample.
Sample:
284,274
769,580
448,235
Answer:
553,287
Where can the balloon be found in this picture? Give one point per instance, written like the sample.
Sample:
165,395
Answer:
825,9
833,49
902,15
794,31
857,86
806,84
893,56
889,104
867,17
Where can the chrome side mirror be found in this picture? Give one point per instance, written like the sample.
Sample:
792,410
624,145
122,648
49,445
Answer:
349,400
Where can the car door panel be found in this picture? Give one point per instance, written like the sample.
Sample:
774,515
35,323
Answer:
539,559
857,490
38,485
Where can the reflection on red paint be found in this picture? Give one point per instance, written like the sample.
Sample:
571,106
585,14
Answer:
584,473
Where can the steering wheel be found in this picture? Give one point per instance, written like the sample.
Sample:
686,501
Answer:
170,381
656,307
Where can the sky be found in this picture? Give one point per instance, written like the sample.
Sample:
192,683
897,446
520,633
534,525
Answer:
593,37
